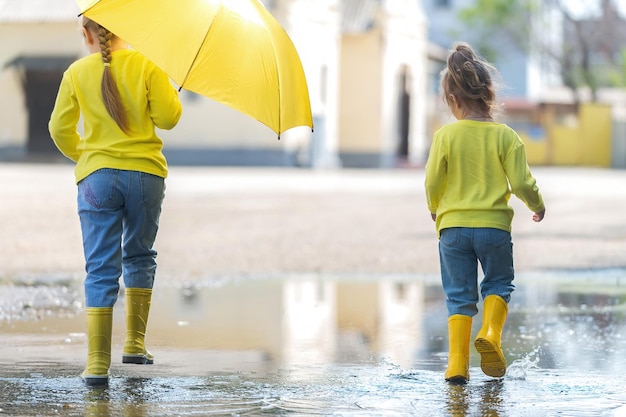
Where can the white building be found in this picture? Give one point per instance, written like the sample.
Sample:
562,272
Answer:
365,62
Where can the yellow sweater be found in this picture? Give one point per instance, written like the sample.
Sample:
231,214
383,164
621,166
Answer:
472,169
149,100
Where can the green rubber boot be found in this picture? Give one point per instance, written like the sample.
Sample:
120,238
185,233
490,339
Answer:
99,327
137,311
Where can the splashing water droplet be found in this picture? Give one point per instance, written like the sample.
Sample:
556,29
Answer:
389,363
520,367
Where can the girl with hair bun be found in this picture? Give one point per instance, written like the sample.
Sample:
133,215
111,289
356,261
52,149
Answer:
474,165
120,173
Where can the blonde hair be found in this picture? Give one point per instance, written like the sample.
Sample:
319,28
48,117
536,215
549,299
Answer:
470,79
110,92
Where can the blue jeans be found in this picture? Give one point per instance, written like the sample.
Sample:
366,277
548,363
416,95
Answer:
460,250
119,218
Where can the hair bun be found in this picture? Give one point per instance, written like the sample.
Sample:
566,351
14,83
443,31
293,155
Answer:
469,78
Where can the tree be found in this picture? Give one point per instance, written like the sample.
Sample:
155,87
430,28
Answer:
580,40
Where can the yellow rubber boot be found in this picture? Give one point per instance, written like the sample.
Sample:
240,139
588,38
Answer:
459,332
99,327
137,311
487,341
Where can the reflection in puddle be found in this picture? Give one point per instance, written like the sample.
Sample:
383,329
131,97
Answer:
314,345
296,321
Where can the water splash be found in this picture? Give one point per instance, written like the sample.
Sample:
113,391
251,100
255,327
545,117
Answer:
520,367
390,364
35,302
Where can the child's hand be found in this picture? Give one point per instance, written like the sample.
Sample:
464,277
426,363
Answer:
433,216
537,217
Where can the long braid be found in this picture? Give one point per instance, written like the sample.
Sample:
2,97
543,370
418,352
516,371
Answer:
110,92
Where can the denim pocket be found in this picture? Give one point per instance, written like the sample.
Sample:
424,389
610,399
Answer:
450,236
152,190
497,238
98,189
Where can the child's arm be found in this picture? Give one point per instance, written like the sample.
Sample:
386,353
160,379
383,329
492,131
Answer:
64,120
436,177
523,184
165,107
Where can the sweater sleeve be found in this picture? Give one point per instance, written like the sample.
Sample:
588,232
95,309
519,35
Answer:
64,120
436,175
523,184
165,107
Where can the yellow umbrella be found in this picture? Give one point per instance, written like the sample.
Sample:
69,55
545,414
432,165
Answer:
232,51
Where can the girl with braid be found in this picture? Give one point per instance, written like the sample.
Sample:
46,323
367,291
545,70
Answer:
474,166
120,174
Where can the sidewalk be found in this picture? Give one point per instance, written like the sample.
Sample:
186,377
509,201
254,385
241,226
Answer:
247,221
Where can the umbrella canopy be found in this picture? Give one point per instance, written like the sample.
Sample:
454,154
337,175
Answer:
232,51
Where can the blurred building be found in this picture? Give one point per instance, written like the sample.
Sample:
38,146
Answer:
524,76
557,130
366,63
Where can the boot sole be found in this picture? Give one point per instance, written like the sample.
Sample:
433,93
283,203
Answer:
95,380
137,360
492,361
457,380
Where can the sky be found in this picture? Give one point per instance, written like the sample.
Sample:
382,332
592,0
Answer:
584,7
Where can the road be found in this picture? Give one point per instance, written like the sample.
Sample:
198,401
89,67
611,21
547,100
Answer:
246,221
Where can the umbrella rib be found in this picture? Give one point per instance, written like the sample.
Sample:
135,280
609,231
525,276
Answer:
206,35
280,103
278,80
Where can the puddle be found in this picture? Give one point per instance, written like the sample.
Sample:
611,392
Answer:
314,345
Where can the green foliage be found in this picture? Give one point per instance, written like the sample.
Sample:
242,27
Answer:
499,25
494,13
617,77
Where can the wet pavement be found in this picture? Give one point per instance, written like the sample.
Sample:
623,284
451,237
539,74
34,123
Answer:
314,345
286,292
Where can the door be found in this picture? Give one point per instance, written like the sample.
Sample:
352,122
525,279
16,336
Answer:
40,87
404,114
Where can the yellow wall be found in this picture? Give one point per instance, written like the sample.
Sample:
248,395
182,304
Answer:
596,135
360,92
536,150
32,40
586,142
565,146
